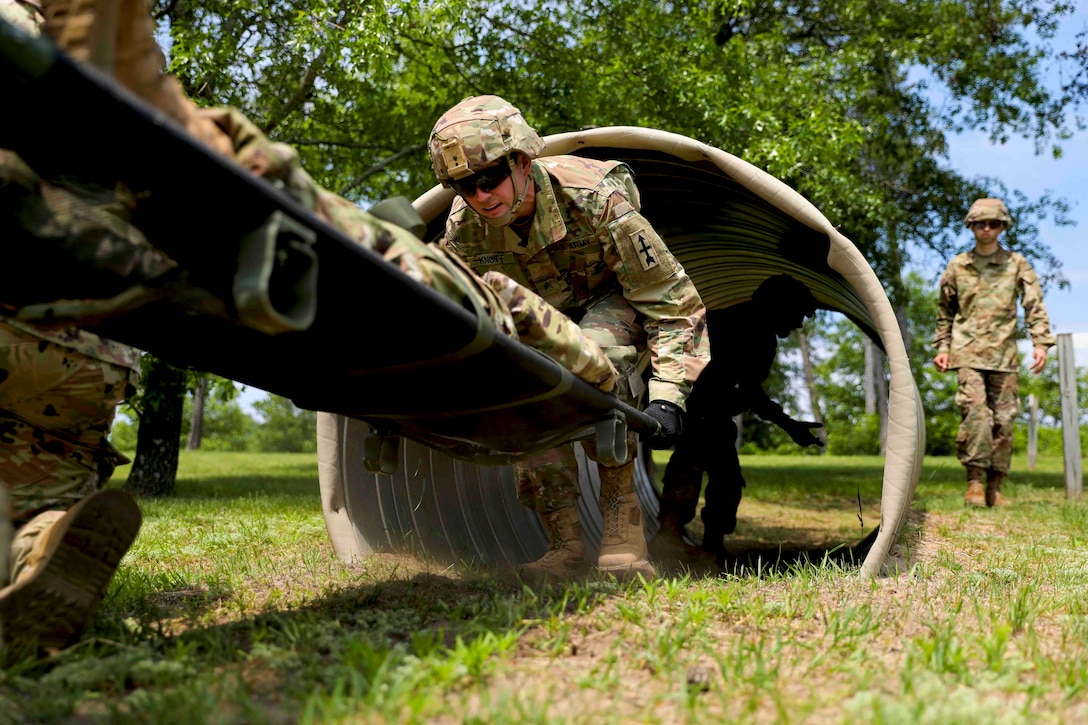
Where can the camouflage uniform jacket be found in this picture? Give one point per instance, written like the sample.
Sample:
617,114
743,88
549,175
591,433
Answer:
86,343
588,241
976,319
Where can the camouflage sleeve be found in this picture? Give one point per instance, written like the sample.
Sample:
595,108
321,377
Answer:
657,286
947,306
1031,299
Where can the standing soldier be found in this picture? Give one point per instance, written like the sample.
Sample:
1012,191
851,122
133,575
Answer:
569,228
976,336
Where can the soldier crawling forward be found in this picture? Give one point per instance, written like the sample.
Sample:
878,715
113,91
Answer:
976,337
570,229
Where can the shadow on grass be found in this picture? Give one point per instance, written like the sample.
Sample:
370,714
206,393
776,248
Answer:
752,557
416,615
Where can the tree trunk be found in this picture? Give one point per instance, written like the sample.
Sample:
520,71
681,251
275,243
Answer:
155,468
869,347
196,419
810,383
881,397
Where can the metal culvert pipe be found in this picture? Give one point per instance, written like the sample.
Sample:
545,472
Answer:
732,226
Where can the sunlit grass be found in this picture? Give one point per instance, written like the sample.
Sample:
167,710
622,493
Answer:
232,608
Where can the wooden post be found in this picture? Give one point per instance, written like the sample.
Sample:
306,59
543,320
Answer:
1033,430
1067,384
739,420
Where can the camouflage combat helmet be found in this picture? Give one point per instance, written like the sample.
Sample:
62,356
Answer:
984,209
477,132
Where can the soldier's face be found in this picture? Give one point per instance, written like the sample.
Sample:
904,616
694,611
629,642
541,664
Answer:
493,203
987,232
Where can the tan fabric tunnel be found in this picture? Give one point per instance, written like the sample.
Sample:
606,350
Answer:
731,225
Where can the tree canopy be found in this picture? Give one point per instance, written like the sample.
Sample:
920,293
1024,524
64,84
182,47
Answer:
850,102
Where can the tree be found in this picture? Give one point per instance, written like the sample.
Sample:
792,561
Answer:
822,95
196,415
841,375
164,416
226,427
285,427
158,407
1046,388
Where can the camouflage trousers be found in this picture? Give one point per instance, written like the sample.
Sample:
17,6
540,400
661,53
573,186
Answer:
56,408
989,402
707,446
549,481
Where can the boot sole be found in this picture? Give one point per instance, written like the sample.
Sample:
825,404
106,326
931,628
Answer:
544,576
629,571
54,604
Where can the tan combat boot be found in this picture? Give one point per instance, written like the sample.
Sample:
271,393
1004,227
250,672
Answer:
976,493
118,38
994,497
58,583
623,543
566,559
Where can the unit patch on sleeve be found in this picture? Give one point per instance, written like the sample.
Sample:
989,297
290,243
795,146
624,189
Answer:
647,255
635,240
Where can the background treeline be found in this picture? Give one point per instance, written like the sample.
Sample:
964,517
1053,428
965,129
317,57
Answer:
278,427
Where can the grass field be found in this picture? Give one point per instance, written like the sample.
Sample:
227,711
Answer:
231,608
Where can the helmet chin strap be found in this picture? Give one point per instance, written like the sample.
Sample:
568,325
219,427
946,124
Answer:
508,218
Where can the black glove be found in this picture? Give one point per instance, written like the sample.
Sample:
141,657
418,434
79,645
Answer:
669,416
801,432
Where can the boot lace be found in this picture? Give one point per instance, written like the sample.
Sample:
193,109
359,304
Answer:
615,522
559,542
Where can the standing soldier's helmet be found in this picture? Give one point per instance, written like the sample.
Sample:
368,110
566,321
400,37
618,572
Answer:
985,209
476,133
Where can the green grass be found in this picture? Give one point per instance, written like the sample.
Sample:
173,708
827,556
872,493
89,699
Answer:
232,608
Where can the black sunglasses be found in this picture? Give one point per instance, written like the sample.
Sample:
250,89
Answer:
988,224
485,180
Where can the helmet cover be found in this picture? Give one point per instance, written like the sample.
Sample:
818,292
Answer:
984,209
476,133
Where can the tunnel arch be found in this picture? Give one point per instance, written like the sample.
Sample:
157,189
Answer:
731,225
